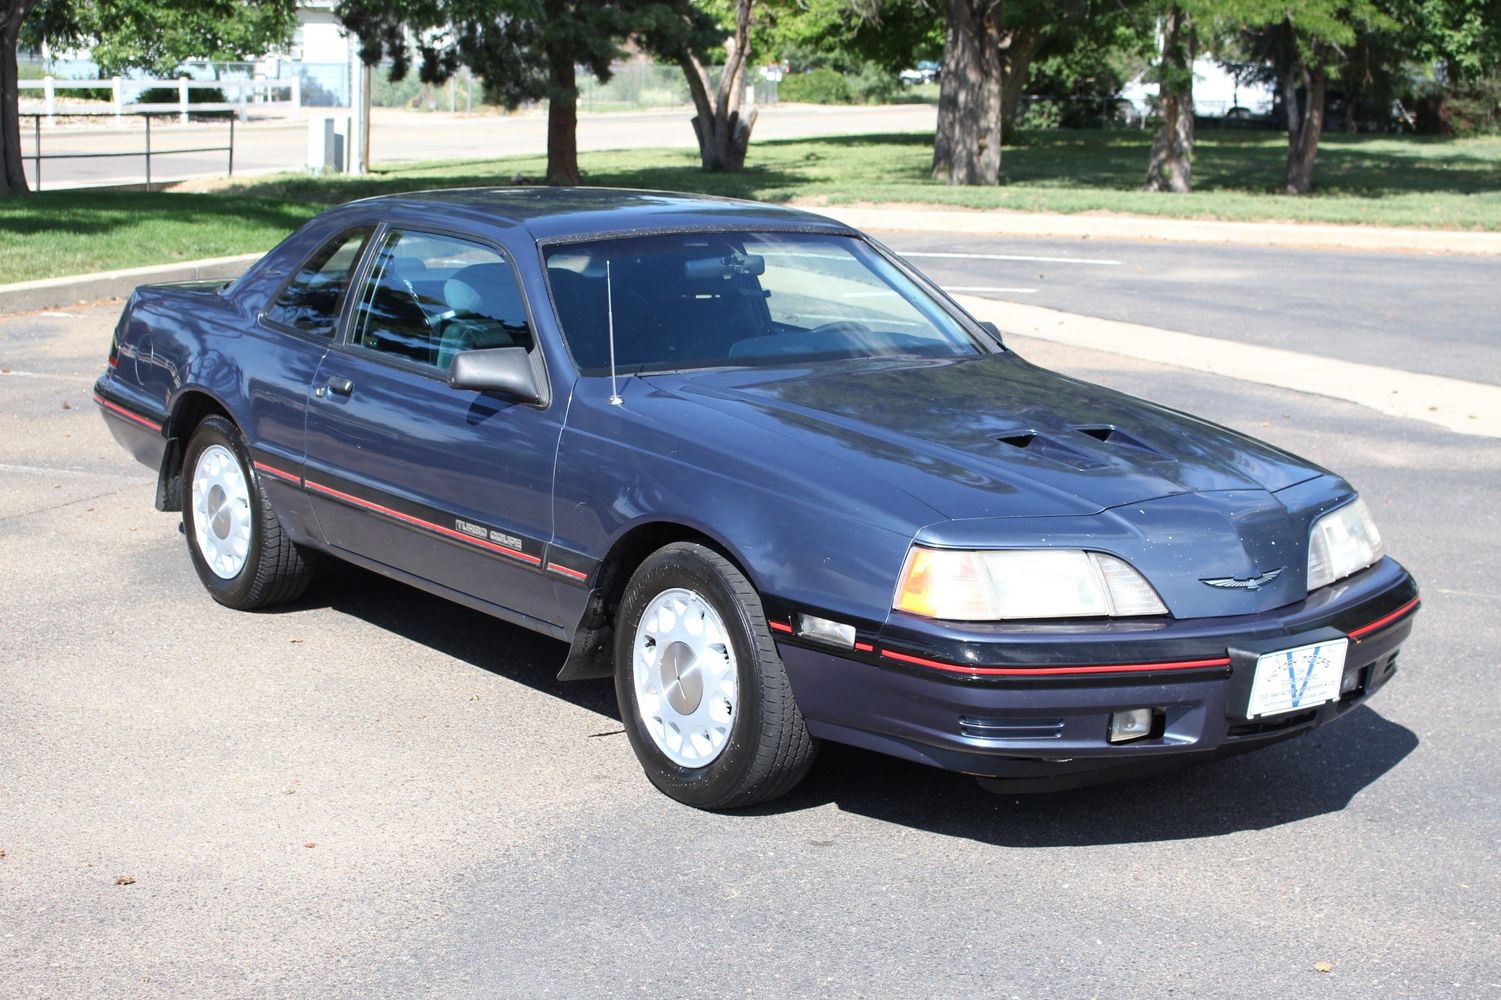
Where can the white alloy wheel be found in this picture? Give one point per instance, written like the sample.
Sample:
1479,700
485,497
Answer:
221,511
683,669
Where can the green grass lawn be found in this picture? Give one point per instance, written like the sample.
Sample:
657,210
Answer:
1373,180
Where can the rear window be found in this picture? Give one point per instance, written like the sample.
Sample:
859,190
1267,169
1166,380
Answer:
692,300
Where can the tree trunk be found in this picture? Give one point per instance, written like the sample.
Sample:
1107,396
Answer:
1019,47
967,143
562,124
1171,165
12,169
1303,144
723,136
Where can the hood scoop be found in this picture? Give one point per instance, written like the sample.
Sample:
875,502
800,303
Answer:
1084,458
1047,449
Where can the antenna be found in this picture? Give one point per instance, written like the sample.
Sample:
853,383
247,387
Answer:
615,399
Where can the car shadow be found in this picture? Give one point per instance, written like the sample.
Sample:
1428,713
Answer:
1310,776
506,650
1316,774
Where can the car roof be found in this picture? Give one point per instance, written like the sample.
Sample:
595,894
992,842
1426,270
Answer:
562,213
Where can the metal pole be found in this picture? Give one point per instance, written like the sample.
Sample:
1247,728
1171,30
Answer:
365,119
36,169
231,145
148,150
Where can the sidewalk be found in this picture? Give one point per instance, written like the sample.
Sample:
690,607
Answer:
975,222
51,293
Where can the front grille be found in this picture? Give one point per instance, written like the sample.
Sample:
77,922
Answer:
1011,729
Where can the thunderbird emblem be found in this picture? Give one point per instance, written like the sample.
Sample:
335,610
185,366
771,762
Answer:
1250,583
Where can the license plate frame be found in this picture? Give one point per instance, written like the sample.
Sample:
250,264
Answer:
1297,678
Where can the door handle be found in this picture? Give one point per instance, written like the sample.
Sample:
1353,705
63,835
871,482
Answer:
337,386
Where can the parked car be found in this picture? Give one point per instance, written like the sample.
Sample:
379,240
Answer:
763,473
926,71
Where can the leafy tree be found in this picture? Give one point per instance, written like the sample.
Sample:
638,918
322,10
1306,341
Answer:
523,50
967,143
1464,36
843,35
989,49
1089,53
723,136
155,35
1306,45
1170,166
12,172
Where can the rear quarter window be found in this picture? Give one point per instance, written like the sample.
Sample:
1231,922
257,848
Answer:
310,302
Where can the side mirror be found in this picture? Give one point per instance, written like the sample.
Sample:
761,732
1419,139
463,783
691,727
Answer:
993,330
505,371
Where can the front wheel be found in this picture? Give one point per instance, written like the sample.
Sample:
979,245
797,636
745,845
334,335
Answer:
703,694
238,547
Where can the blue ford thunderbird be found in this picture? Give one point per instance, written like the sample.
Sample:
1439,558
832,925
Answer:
764,474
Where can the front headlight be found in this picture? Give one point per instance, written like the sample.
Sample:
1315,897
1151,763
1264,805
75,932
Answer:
1021,583
1342,542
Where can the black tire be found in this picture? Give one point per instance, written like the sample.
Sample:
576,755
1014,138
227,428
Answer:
768,750
276,570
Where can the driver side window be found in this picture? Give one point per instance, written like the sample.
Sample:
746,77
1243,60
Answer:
428,297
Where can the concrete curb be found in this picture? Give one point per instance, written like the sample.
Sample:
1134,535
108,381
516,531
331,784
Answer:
974,222
1453,404
55,293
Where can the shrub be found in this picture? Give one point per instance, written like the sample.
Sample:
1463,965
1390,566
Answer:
871,84
1473,110
168,95
817,86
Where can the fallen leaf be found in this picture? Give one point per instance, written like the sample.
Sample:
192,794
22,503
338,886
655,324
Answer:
2,852
1323,966
124,880
67,405
310,844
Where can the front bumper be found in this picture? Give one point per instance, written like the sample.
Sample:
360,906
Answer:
1031,703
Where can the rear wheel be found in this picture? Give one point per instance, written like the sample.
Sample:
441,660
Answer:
703,694
241,554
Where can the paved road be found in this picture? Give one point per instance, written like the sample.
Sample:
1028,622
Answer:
402,136
1421,313
376,793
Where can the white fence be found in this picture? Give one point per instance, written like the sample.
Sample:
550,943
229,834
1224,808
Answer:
279,96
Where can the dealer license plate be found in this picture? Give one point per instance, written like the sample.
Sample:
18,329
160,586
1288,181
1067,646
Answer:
1293,679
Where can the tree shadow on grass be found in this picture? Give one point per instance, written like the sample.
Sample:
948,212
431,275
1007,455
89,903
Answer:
1311,776
101,212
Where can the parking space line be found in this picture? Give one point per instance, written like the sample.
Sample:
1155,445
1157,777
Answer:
988,288
12,373
1009,256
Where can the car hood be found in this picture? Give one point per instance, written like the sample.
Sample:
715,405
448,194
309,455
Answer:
992,436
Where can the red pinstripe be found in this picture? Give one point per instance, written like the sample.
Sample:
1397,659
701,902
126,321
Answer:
409,519
1384,619
1107,668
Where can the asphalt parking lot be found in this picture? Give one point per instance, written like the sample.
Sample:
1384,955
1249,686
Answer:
377,793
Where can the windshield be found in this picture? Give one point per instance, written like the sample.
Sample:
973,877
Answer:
689,300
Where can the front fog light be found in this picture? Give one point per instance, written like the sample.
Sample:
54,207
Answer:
1130,725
